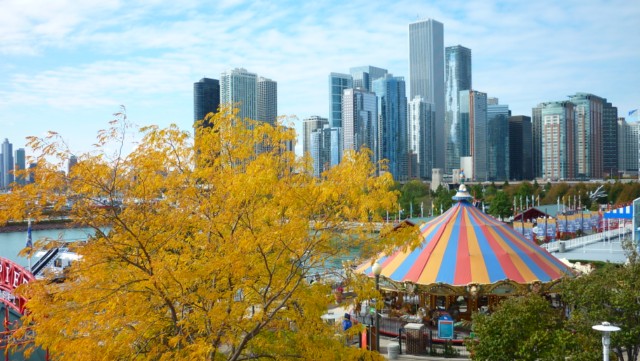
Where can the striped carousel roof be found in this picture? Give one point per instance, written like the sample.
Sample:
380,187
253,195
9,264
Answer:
465,246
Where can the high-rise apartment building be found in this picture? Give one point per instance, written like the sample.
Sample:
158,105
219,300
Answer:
629,135
426,75
536,139
337,84
325,148
609,139
420,138
457,78
7,163
267,101
558,140
520,148
360,121
393,131
206,98
239,88
473,111
20,166
363,76
309,126
498,141
588,134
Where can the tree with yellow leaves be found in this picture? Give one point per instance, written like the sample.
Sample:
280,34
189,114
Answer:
201,249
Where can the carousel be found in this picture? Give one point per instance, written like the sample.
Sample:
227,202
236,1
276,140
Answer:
466,262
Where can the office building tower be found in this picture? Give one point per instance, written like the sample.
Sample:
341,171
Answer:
20,165
337,84
609,139
239,88
473,111
421,143
73,160
360,121
457,78
628,152
393,131
588,135
498,141
309,126
325,148
426,75
536,140
363,76
520,148
206,98
7,163
558,140
267,101
493,101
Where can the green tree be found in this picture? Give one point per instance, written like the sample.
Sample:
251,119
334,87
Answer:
412,194
204,262
443,199
523,328
501,206
608,294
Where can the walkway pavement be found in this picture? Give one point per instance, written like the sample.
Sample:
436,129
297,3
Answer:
385,341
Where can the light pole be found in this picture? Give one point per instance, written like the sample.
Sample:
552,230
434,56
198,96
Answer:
606,330
377,269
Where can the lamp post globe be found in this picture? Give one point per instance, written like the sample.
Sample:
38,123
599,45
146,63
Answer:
606,328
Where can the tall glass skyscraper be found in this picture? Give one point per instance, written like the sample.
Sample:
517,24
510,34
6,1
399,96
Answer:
337,84
239,88
520,148
363,76
426,75
206,98
629,135
588,134
536,139
393,130
7,163
498,141
20,165
457,78
360,120
420,137
609,139
473,111
267,101
309,126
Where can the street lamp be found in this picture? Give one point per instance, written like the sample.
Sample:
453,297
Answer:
377,269
606,330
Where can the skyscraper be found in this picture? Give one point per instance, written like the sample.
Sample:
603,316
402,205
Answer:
20,166
337,84
393,130
325,148
520,148
558,140
609,139
309,126
588,134
360,121
473,111
629,135
206,98
457,78
421,143
498,141
536,139
426,75
239,88
267,101
363,76
7,163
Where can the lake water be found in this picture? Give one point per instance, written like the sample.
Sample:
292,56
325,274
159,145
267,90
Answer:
12,242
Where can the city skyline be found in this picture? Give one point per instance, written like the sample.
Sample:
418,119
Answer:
68,67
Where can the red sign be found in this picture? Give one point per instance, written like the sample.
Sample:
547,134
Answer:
12,275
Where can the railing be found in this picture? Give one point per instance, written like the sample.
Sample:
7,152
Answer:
587,240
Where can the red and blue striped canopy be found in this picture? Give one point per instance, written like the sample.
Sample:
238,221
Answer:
465,246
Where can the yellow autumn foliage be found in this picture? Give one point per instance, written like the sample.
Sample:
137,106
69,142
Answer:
202,247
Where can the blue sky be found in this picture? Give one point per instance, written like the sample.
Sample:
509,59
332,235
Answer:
68,65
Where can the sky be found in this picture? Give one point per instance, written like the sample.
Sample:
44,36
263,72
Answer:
67,66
